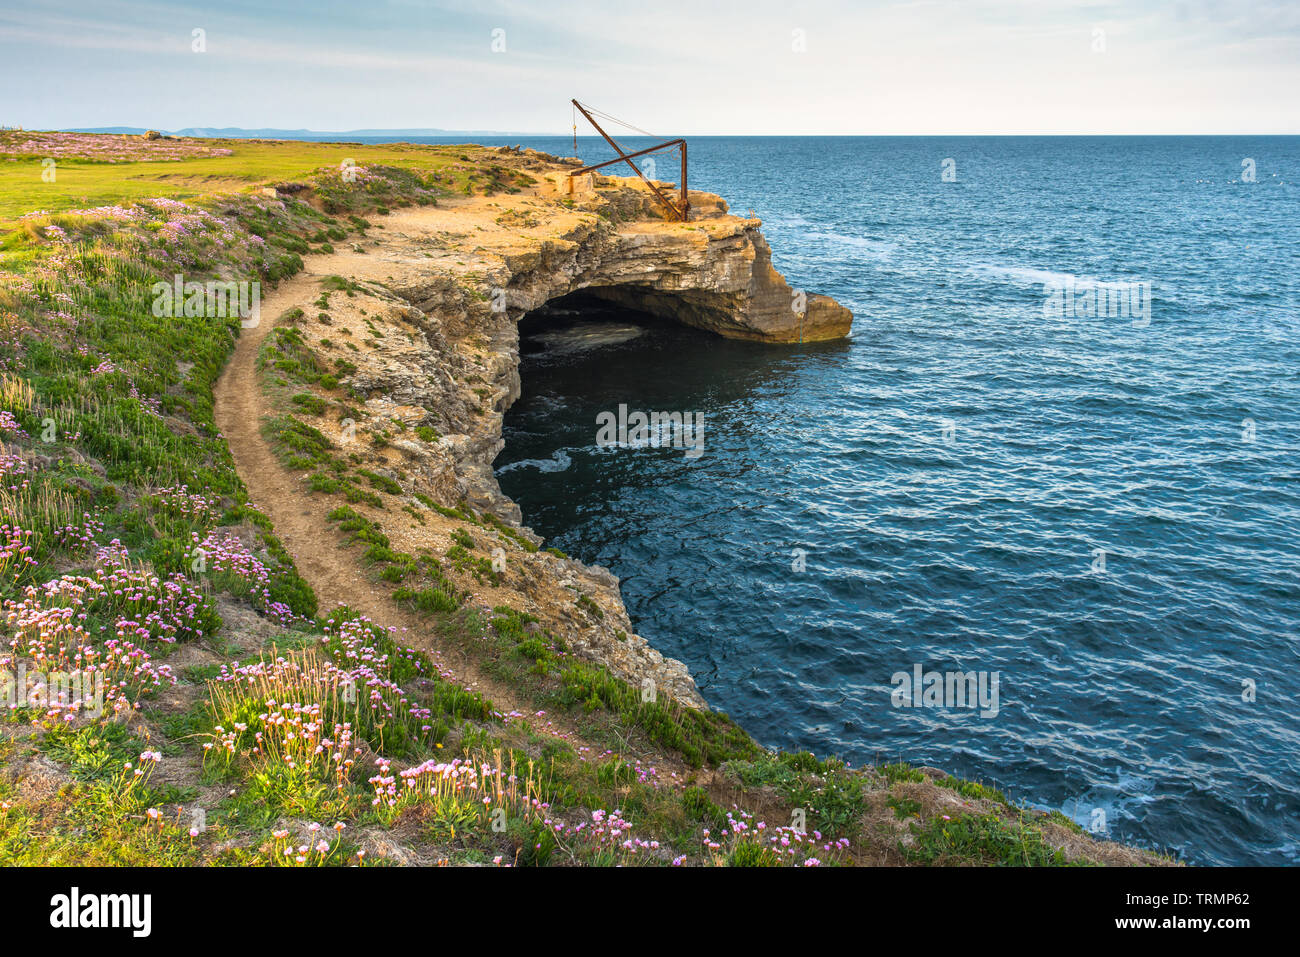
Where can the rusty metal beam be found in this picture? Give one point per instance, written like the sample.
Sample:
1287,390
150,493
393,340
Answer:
627,156
686,202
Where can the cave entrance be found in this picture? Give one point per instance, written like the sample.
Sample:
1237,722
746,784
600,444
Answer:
592,318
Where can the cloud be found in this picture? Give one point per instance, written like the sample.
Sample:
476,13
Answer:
834,66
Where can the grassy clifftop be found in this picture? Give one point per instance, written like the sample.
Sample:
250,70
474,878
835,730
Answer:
92,170
176,693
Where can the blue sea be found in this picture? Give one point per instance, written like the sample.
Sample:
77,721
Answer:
1103,511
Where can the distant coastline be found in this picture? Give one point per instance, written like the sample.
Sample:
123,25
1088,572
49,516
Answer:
241,133
332,136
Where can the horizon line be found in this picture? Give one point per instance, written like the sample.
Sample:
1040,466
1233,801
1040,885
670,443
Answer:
432,131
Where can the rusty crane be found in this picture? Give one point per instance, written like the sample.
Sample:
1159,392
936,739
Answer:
678,211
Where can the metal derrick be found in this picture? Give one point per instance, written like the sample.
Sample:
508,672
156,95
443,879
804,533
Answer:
678,211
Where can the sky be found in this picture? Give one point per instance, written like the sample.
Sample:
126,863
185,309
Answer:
914,67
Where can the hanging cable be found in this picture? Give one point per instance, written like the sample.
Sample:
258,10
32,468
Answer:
615,119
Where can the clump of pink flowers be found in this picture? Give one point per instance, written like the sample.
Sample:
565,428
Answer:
313,850
13,467
179,500
305,712
9,425
225,555
294,737
105,147
790,845
96,629
80,537
15,551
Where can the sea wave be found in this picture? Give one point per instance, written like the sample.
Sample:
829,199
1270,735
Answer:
559,462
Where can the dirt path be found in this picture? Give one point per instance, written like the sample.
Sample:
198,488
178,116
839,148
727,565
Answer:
240,406
334,572
298,515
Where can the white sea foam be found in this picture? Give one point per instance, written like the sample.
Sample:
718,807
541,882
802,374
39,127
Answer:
558,462
1028,275
876,248
591,335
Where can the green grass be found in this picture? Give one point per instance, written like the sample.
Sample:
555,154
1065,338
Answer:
830,794
85,184
981,839
972,789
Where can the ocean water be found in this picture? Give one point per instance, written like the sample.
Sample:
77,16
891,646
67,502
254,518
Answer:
1103,511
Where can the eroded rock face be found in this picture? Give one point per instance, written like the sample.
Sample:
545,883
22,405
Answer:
727,286
440,292
714,273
